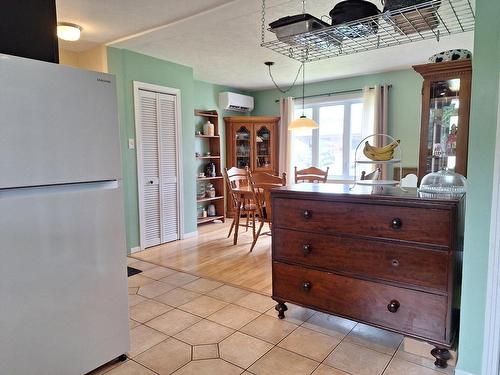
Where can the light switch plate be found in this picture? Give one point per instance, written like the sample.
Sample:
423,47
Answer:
131,143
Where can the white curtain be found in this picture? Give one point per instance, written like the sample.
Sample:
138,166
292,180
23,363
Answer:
375,111
286,113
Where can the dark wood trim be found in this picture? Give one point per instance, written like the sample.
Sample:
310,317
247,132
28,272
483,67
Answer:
28,28
444,68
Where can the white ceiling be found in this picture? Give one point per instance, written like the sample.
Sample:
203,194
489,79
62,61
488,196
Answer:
220,39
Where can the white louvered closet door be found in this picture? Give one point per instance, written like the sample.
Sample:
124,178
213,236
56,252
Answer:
168,167
158,147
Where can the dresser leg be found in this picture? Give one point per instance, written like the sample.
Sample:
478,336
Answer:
281,308
442,356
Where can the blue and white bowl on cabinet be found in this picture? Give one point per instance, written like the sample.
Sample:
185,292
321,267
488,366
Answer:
451,55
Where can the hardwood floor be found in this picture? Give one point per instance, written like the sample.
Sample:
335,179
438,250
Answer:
211,254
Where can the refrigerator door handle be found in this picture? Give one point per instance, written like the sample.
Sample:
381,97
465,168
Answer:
58,189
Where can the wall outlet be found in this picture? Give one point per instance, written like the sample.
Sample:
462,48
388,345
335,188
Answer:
131,143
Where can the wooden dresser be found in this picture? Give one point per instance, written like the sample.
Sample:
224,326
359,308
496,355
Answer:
378,255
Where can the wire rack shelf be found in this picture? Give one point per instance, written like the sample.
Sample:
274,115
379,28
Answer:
433,19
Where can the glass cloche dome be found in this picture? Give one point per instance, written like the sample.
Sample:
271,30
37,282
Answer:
443,182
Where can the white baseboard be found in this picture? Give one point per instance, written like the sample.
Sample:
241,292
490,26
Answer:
462,372
189,235
135,249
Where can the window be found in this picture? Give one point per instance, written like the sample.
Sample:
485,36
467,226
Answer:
334,143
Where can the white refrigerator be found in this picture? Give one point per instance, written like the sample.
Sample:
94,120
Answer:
63,282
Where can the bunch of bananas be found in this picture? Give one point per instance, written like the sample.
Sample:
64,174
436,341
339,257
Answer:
380,153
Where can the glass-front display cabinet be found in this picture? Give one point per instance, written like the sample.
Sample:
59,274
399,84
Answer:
253,142
263,147
444,128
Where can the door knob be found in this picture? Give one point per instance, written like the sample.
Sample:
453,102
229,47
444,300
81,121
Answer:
306,285
306,248
393,306
396,223
307,214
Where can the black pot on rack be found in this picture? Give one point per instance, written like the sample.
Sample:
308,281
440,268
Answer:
351,10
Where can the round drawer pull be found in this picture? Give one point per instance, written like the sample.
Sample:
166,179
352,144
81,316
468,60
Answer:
306,285
396,223
393,306
395,263
307,214
307,249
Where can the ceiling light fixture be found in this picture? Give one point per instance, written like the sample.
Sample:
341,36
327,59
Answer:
303,122
68,31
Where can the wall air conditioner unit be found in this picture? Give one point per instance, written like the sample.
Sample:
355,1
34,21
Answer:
235,102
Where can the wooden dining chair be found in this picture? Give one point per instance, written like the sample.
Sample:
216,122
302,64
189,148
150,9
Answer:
375,175
261,185
237,178
311,174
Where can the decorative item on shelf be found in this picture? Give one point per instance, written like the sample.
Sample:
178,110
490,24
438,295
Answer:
208,129
380,153
197,154
199,211
201,175
211,210
201,191
451,55
210,190
204,212
197,132
210,169
352,10
416,16
208,153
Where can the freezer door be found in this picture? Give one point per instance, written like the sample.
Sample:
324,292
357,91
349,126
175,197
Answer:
57,125
63,285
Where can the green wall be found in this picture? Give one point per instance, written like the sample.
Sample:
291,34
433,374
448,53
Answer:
129,66
483,124
404,109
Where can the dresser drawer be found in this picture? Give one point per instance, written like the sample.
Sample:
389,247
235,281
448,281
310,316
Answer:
424,225
414,313
367,258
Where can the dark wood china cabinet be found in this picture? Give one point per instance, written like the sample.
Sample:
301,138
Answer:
444,129
252,141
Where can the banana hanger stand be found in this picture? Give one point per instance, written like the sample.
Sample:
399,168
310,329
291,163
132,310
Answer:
386,139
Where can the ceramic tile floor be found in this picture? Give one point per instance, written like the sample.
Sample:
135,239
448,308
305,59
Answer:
183,324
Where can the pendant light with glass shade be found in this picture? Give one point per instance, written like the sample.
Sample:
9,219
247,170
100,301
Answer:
303,122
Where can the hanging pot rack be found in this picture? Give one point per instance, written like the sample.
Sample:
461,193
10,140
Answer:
433,19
